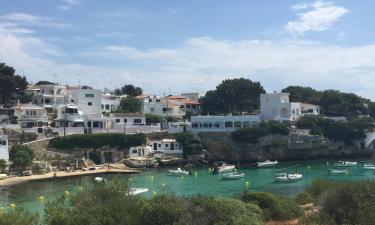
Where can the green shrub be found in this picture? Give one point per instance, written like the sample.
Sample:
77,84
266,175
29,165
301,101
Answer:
118,140
190,142
22,156
319,186
18,217
303,198
273,206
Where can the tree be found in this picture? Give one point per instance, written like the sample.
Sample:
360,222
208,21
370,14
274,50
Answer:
190,142
129,90
233,96
3,165
22,156
151,118
129,105
44,82
12,86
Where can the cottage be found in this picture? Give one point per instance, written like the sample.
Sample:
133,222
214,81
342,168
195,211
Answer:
166,146
29,116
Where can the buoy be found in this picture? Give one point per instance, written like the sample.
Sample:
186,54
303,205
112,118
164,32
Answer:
152,177
308,167
1,208
154,193
66,193
195,173
162,184
247,183
80,188
12,205
130,179
327,163
41,198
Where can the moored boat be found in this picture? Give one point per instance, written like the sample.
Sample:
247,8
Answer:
179,172
288,177
335,171
266,164
100,179
345,164
369,167
137,191
224,168
232,176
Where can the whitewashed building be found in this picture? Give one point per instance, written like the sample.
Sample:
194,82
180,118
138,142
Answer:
49,96
29,116
87,100
139,151
4,147
151,104
276,106
110,102
166,146
222,123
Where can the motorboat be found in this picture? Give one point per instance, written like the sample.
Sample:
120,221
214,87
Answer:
266,164
224,168
335,171
179,172
369,167
232,176
288,177
345,164
100,179
137,191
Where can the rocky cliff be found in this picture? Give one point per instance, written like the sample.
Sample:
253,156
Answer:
220,146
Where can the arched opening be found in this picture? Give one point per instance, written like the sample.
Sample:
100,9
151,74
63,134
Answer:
237,124
229,124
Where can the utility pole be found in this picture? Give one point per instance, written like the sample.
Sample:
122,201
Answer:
65,120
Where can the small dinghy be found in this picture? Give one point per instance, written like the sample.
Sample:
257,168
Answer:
369,167
345,164
232,176
337,172
137,191
288,177
266,164
100,179
179,172
224,168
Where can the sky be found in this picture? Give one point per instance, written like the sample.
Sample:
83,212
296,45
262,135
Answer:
175,46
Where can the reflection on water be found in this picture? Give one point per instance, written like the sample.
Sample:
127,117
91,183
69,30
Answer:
202,182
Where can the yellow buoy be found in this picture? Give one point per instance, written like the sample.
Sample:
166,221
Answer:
80,188
12,205
247,183
152,177
1,208
41,198
66,193
195,173
154,193
308,167
162,184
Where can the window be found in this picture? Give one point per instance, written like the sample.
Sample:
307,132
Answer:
71,100
166,145
3,142
137,121
107,107
89,95
89,103
125,120
117,120
134,151
159,145
102,106
157,100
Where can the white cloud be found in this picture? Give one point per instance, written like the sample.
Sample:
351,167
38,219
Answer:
68,4
23,19
320,16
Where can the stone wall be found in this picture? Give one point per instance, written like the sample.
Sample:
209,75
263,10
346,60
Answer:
41,151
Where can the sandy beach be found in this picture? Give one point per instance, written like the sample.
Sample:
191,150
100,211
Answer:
13,181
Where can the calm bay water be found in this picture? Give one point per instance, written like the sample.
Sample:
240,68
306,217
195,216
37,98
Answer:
158,180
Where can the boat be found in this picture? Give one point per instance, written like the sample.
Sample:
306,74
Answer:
369,167
345,164
224,168
100,179
232,176
266,164
179,172
137,191
288,177
3,176
334,171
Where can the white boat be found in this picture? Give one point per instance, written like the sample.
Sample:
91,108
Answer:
179,172
137,191
345,164
100,179
3,176
266,163
288,177
232,176
369,167
334,171
224,168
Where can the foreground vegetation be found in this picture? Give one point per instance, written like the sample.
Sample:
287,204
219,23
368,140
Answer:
335,203
117,140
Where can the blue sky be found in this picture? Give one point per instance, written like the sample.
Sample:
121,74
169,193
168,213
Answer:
183,46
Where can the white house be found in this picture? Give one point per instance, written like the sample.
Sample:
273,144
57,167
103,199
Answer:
166,146
222,123
49,96
139,151
4,147
151,104
110,102
129,119
29,116
276,106
87,100
72,116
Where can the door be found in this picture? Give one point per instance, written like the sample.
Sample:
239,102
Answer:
155,146
172,146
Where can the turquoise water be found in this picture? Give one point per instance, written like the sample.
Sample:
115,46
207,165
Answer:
158,180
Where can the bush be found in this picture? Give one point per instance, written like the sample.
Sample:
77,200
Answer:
273,206
303,198
121,141
22,156
190,142
252,134
18,217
